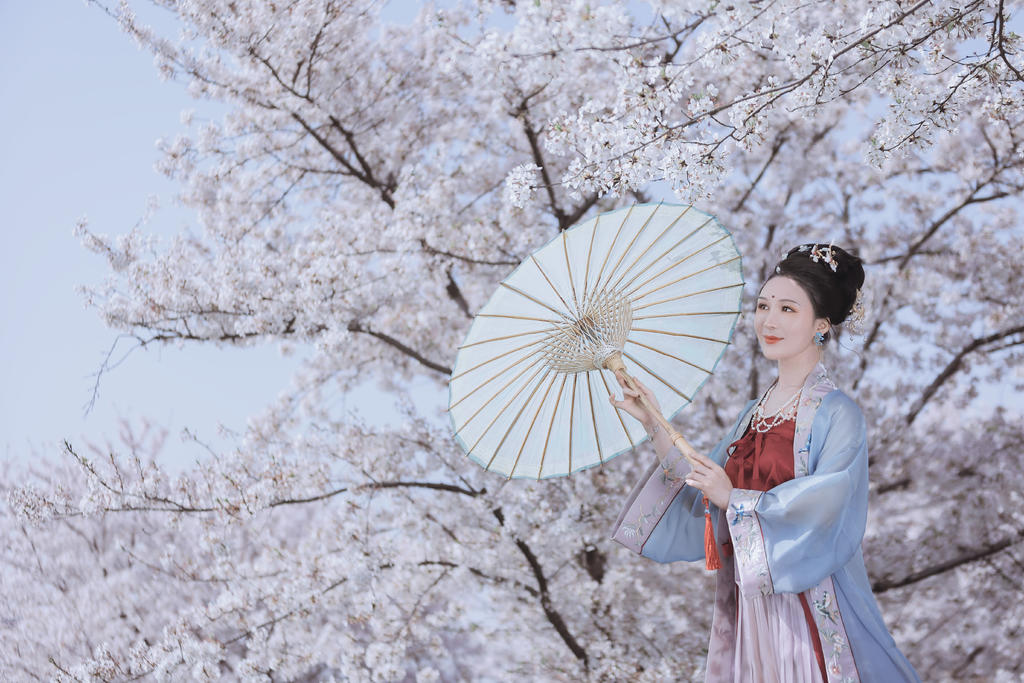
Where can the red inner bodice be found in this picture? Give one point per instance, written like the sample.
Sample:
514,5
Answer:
762,461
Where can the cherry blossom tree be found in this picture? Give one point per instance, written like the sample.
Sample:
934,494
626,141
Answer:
369,186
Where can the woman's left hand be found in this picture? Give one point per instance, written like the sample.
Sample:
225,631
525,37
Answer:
711,480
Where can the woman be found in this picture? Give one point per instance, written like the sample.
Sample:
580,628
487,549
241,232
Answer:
788,492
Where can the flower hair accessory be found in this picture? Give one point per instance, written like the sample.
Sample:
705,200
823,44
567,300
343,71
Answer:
820,252
855,320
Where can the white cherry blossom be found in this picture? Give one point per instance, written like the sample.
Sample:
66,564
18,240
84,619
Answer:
367,188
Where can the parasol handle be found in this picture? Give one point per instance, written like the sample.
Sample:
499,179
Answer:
615,364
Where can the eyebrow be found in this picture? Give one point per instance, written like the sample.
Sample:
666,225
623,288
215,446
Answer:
789,300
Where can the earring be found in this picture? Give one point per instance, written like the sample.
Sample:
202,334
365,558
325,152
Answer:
819,338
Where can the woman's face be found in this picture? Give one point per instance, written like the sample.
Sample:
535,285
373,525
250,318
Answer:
784,319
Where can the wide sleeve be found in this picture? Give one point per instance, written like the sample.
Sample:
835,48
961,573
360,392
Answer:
789,538
659,518
663,518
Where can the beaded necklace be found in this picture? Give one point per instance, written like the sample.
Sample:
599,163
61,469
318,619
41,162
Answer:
763,423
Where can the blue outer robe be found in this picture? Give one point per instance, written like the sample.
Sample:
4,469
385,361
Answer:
804,535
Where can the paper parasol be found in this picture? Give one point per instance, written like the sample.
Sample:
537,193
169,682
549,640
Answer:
656,286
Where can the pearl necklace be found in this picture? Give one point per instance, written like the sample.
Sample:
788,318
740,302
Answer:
762,423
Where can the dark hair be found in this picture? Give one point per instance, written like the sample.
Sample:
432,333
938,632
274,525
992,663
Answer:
830,275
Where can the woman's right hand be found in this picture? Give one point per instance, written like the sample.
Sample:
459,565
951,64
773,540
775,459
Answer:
631,404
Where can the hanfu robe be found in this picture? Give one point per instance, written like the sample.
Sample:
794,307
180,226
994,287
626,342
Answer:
801,537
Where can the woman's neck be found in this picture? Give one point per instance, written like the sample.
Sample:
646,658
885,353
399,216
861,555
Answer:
793,371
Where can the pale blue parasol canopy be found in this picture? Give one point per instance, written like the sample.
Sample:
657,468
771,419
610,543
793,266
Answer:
654,286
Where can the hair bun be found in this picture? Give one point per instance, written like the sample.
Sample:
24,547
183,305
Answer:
831,276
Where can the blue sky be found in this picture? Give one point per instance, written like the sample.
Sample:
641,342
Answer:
82,109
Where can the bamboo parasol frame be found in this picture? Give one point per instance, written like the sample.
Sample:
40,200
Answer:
657,285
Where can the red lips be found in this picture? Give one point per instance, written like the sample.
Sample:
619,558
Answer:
772,340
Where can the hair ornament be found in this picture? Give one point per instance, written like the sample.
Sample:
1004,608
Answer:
855,320
820,252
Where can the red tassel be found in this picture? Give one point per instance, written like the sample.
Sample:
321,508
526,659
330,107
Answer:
711,559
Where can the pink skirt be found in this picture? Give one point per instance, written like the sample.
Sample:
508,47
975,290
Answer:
773,641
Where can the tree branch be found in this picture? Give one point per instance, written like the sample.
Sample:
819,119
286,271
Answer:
954,365
437,486
1000,23
364,173
914,250
550,612
972,198
884,585
386,188
545,600
354,326
584,206
538,159
779,142
455,294
480,262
